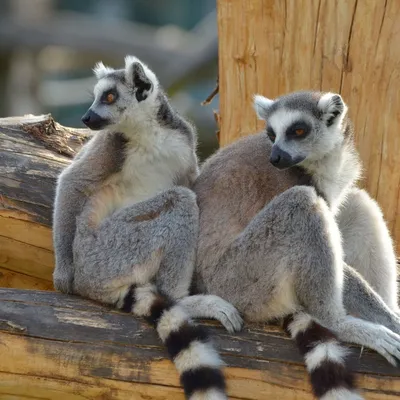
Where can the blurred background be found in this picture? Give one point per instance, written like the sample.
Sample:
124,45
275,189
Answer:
49,47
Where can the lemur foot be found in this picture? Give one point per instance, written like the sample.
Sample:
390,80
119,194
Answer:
229,317
210,306
387,343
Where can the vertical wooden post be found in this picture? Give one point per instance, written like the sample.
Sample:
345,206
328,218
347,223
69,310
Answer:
352,47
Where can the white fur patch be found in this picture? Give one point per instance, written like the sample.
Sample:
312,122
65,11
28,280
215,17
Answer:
261,105
102,86
171,320
301,321
212,394
283,118
152,163
197,355
335,238
331,351
341,394
283,301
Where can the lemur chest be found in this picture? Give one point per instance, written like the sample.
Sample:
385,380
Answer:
142,177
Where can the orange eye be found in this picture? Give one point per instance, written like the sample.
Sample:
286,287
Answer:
110,98
299,132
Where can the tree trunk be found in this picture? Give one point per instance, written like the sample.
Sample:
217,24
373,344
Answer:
273,47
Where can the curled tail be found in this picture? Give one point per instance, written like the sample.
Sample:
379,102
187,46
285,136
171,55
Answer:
188,345
324,358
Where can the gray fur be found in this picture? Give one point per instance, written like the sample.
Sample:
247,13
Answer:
82,177
275,242
153,240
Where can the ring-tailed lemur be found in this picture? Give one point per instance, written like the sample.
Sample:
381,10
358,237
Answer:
126,224
284,231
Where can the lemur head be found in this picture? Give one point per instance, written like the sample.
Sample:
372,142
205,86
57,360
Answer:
303,126
121,95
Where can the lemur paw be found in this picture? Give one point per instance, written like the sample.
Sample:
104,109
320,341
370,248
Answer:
388,345
227,314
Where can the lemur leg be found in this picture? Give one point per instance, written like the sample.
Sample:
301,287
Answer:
290,258
154,240
320,287
361,300
150,241
367,244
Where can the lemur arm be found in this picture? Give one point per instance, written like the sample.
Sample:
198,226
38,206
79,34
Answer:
97,160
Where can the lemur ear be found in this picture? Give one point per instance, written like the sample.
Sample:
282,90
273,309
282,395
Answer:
100,70
140,77
262,105
332,107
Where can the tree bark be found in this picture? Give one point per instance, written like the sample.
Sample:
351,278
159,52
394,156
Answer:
273,47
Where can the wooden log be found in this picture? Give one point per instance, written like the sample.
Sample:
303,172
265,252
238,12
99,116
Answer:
33,151
274,47
57,346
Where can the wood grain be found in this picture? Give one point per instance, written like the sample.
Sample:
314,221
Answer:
12,279
273,47
26,252
57,346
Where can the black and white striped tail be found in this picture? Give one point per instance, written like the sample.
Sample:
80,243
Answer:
196,360
324,358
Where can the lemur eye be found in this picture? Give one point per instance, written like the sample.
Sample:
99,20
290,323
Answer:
271,135
110,98
298,130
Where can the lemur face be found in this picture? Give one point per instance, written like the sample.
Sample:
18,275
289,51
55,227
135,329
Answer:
119,94
303,126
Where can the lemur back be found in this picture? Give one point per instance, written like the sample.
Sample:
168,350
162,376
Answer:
273,207
126,223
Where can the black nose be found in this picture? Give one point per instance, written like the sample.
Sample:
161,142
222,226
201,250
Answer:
94,121
274,159
86,118
281,159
